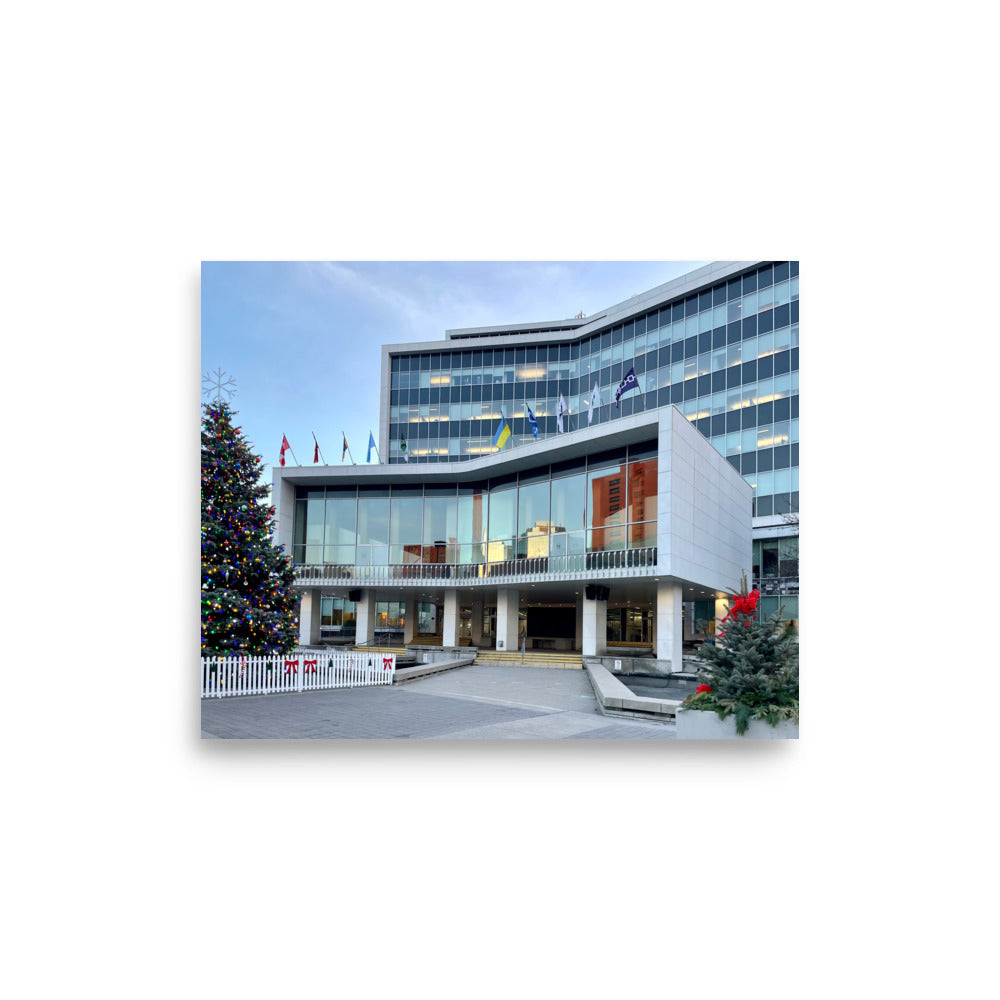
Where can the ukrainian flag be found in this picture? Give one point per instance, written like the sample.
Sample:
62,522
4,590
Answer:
503,432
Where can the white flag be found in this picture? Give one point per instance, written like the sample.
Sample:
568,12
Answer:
560,410
595,401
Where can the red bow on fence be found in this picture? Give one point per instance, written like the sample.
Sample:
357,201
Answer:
309,665
386,662
291,665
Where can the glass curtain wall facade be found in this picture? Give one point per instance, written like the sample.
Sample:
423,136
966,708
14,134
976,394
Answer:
726,355
598,503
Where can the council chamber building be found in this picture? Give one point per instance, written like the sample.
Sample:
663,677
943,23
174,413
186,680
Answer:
521,506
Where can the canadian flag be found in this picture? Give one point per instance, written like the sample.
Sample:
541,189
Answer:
284,447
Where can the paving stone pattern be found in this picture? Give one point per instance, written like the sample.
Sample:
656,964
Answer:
474,703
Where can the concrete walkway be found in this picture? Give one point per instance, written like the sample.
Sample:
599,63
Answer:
477,702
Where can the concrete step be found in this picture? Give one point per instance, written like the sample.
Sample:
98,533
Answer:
531,658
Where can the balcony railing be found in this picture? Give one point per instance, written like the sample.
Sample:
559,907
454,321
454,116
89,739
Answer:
631,562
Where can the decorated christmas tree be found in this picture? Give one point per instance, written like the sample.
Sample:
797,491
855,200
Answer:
247,604
751,671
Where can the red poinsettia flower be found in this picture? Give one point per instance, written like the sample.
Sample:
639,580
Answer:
702,689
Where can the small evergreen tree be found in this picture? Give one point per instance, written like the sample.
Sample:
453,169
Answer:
752,669
247,604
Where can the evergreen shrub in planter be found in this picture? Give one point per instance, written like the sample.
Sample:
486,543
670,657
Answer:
751,672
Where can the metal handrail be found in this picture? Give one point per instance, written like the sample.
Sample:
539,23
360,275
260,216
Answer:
485,572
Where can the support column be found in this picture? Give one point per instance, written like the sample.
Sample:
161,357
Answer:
507,604
409,620
366,618
309,612
721,610
449,631
476,625
579,622
669,626
595,627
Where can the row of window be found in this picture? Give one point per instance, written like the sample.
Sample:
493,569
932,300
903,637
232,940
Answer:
623,624
546,541
760,335
728,366
715,416
772,287
603,502
722,390
776,557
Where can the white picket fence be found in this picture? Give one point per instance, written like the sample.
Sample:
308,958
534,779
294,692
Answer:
223,676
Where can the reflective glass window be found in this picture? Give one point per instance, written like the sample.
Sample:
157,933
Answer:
532,506
341,520
606,512
314,521
642,490
373,520
642,535
503,504
440,521
769,557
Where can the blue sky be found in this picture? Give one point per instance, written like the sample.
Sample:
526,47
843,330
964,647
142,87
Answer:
303,340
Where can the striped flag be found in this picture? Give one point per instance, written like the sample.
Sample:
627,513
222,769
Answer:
343,452
502,435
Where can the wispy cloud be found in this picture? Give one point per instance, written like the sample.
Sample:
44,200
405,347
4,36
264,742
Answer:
422,299
408,309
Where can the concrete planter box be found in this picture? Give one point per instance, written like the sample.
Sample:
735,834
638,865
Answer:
695,725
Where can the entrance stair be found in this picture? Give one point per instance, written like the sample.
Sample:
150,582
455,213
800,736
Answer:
532,658
436,640
380,650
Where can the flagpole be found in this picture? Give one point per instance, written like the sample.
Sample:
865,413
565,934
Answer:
320,450
349,452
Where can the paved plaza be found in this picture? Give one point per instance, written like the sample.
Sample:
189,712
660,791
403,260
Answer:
470,703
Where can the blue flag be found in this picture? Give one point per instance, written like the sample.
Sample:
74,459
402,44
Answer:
532,421
371,444
628,383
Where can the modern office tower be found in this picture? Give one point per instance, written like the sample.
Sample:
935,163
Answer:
663,498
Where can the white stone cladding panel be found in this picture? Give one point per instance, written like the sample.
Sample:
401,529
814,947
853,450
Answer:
595,628
703,526
449,627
